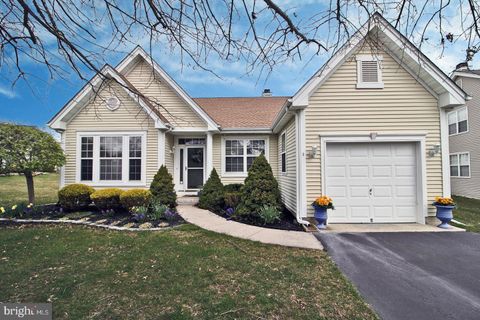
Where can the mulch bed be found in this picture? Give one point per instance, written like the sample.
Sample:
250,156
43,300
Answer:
118,219
287,222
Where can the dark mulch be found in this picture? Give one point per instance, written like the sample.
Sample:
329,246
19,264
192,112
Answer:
91,214
287,221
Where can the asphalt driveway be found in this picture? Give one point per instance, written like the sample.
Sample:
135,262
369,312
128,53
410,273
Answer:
417,275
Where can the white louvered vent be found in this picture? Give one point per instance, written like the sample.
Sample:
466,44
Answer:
370,71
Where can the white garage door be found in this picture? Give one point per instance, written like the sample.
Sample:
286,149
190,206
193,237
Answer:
372,182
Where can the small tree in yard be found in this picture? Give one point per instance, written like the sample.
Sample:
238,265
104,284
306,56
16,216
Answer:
212,194
163,189
260,189
27,150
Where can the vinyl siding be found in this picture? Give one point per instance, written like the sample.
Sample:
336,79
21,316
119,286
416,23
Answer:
174,108
169,156
403,105
288,181
468,142
96,117
218,161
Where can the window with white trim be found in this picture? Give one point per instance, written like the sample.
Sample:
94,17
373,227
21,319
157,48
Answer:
283,153
458,121
106,158
460,164
240,154
369,71
86,162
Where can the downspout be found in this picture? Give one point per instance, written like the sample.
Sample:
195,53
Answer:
300,138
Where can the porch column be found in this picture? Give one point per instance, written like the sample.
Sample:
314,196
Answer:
161,148
209,165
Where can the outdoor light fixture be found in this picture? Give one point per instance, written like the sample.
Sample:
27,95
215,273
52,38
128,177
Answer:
313,152
434,150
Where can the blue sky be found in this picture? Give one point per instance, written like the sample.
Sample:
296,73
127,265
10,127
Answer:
36,101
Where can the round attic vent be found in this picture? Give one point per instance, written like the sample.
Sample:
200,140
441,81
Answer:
113,103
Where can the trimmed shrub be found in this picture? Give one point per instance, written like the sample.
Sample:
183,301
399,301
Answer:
75,196
233,187
107,198
135,198
211,197
232,199
269,214
162,188
260,189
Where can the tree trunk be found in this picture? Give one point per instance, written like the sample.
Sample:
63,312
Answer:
30,188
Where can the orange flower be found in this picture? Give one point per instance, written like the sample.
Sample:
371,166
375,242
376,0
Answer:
444,201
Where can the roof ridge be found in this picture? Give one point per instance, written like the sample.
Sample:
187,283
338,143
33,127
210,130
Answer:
253,97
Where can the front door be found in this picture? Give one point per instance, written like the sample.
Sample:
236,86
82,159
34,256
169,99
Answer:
194,167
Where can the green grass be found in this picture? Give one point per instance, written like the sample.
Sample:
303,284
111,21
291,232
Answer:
468,212
13,189
183,273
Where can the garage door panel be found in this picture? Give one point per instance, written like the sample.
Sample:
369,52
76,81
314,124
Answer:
358,171
381,171
388,169
382,191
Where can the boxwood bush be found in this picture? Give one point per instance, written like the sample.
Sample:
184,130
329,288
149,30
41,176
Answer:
106,199
233,187
135,198
211,197
75,196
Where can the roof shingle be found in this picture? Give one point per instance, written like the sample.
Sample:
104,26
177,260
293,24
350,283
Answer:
242,112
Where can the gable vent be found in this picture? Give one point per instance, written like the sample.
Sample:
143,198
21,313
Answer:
370,71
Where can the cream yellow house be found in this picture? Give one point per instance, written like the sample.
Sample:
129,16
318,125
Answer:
368,129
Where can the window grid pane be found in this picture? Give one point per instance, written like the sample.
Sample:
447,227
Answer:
111,147
233,147
135,147
87,147
464,171
86,170
234,164
284,162
135,169
255,147
111,169
454,171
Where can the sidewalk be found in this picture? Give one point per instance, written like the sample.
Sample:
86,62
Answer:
210,221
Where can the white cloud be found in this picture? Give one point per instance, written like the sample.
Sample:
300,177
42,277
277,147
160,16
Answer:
9,93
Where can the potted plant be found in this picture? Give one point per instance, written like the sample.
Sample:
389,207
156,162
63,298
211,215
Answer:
321,204
445,208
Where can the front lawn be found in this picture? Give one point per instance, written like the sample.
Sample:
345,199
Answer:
183,273
13,189
468,212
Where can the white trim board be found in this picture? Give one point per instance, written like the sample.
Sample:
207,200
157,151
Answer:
419,140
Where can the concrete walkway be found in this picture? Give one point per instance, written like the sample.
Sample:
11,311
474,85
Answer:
210,221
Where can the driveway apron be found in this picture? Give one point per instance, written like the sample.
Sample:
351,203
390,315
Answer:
418,275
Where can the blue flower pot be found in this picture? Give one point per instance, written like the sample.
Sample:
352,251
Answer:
445,215
321,216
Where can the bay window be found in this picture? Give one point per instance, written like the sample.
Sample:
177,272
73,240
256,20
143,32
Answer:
240,154
109,158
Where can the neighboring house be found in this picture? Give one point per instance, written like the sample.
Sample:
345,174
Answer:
369,129
464,131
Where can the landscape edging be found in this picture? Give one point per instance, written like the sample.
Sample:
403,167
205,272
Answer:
85,223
